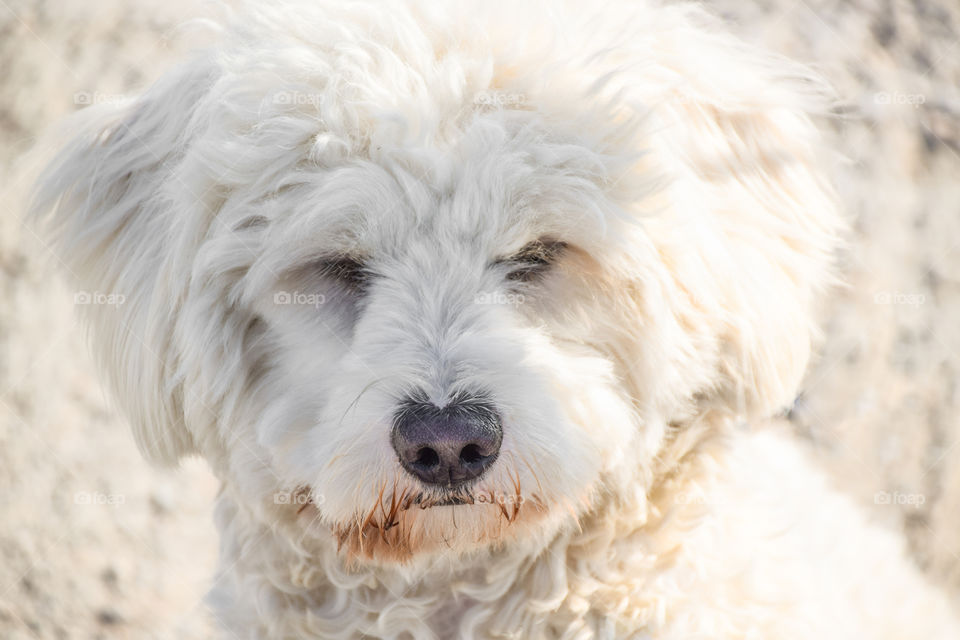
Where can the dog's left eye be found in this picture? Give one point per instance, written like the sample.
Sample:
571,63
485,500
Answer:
346,270
533,259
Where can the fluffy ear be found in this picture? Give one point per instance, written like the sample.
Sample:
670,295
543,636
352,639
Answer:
756,227
775,228
103,200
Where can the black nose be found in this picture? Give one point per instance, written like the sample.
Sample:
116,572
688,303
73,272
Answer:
447,446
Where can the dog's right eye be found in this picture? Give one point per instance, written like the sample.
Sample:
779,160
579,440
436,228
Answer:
346,270
533,259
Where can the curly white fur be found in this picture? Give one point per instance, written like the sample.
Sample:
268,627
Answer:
683,174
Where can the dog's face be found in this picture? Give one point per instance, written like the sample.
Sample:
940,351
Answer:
438,339
417,322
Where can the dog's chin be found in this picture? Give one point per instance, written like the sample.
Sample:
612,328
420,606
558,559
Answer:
404,527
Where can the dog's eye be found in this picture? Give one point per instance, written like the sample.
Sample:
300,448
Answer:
348,271
533,259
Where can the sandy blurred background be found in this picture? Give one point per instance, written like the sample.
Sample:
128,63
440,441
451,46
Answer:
93,544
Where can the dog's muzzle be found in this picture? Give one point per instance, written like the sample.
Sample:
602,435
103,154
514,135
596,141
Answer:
447,446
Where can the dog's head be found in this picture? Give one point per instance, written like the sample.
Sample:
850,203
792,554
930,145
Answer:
432,290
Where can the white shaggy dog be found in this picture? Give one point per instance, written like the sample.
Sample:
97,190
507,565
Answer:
467,306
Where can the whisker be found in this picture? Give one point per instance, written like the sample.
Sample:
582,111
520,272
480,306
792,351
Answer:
353,404
533,473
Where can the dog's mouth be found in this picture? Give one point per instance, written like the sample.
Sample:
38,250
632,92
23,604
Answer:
447,498
392,529
451,501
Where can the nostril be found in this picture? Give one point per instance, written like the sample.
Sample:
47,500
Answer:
470,454
427,457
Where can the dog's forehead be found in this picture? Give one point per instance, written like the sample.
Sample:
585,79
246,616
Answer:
479,194
474,211
484,194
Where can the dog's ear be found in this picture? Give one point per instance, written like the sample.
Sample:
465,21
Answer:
758,212
104,200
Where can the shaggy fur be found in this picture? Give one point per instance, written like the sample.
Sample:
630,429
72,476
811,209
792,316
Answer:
336,209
